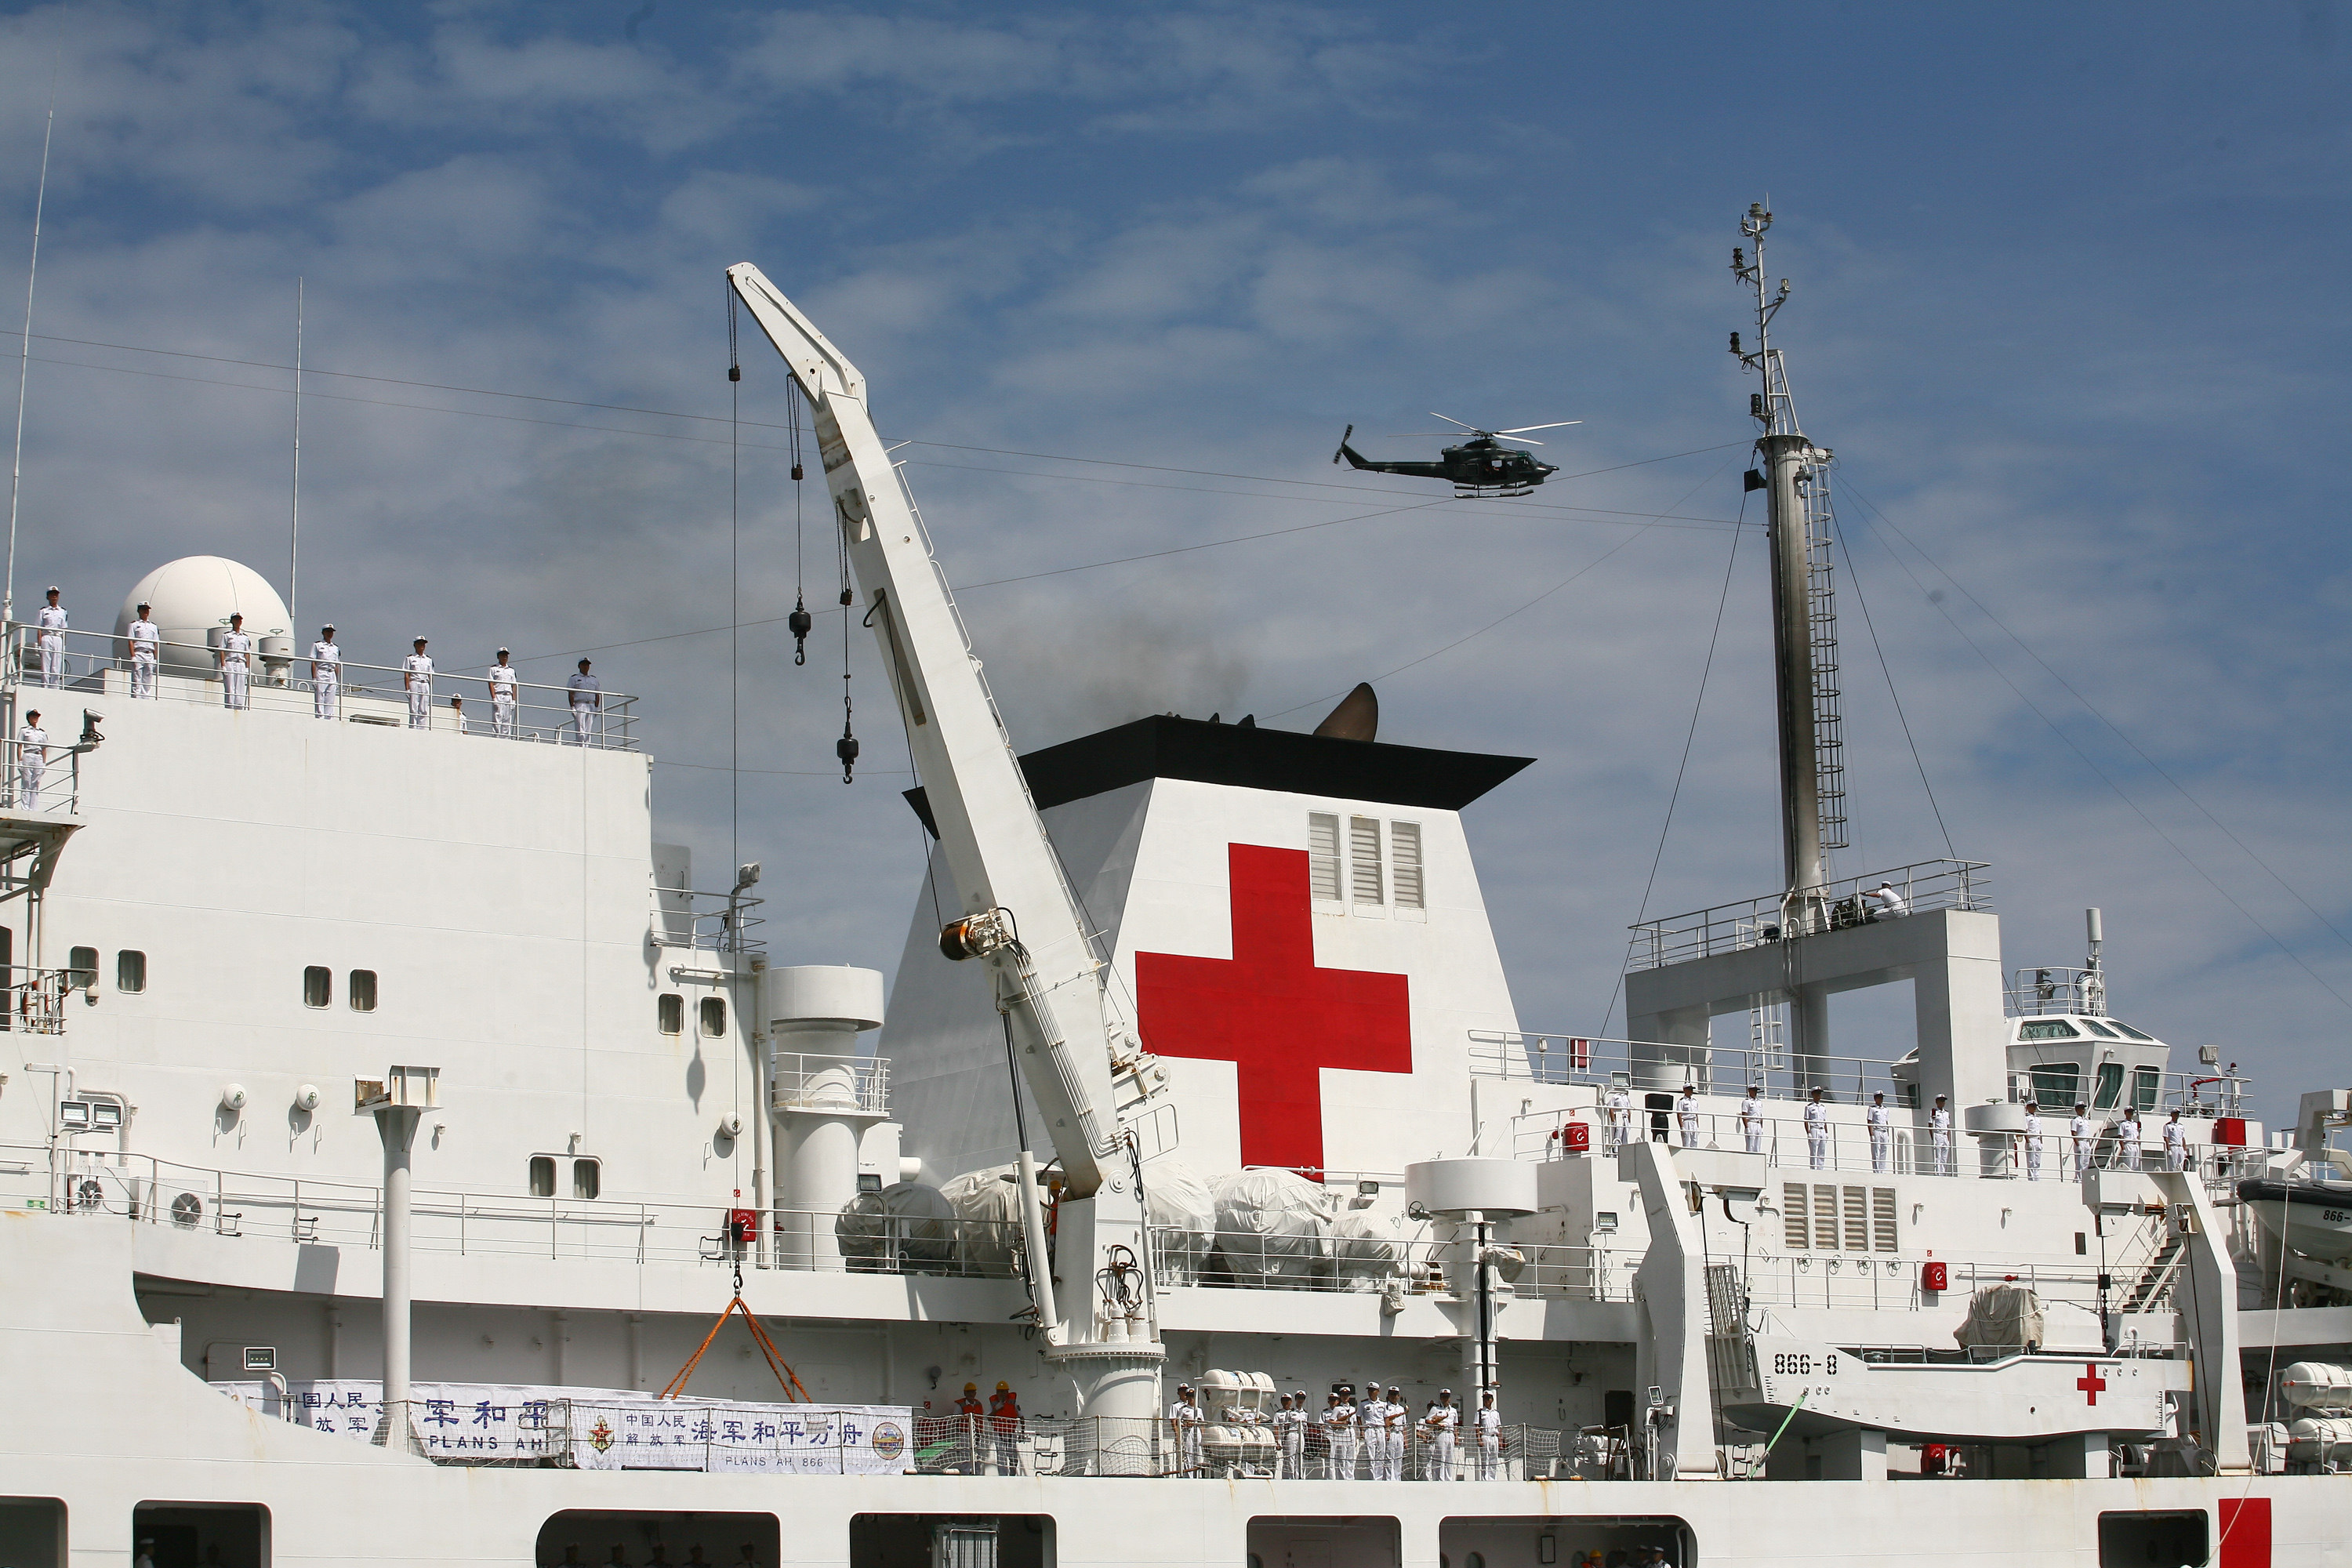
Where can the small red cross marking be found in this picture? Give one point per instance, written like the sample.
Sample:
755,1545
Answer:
2090,1383
1272,1012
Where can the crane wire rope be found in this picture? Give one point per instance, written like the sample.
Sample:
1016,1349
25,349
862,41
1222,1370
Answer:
2085,757
1853,575
25,359
734,710
1689,735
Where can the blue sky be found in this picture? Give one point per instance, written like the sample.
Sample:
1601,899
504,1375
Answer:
2069,304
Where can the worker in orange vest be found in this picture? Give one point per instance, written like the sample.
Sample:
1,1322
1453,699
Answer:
1005,1419
967,1414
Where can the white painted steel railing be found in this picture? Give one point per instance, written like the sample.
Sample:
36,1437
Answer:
1924,885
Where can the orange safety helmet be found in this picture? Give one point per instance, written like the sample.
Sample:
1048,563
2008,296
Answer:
1003,1388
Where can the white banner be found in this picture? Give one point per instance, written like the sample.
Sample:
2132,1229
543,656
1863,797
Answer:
603,1428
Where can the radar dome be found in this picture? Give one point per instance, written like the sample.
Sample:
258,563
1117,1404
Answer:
194,596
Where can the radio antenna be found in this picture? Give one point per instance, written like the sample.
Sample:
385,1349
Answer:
25,360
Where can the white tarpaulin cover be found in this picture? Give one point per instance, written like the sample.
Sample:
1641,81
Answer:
1183,1217
1365,1253
1271,1224
906,1225
2003,1317
989,1197
604,1428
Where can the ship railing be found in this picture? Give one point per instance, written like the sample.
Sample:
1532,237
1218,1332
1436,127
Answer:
1861,1280
1226,1444
192,1200
816,1080
1662,1067
1371,1264
1541,1135
33,1001
44,776
707,922
1942,884
92,665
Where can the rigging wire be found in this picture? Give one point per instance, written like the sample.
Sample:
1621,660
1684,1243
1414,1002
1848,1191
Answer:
799,621
2101,773
1689,735
25,358
734,600
1854,577
846,747
2161,772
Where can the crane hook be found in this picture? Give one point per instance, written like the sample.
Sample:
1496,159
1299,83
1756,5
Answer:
799,624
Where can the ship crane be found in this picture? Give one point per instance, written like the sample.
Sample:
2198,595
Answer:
1019,921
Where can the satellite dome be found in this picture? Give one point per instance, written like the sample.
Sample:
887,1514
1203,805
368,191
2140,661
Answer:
194,596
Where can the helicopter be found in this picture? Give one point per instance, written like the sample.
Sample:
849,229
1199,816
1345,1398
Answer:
1479,466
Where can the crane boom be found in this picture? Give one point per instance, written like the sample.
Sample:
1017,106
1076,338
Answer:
1019,915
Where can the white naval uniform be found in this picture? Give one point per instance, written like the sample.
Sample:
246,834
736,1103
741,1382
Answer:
1620,1105
51,619
32,756
1882,1138
2127,1137
1817,1134
1752,1130
1186,1418
1939,1122
1372,1416
1290,1434
1687,1115
146,639
1393,1432
2033,1147
326,677
416,669
502,700
2079,1129
1437,1462
237,666
587,697
1339,1427
1488,1426
2176,1146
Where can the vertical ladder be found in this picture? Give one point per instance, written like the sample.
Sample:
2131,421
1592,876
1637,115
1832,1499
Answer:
1820,600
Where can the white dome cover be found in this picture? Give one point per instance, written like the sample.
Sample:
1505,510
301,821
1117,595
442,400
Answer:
195,595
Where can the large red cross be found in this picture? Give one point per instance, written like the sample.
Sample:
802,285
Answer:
2090,1383
1272,1012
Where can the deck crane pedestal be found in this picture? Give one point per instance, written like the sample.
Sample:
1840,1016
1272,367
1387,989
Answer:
1019,922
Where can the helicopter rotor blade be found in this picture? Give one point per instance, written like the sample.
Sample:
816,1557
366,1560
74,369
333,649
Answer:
1449,418
1554,425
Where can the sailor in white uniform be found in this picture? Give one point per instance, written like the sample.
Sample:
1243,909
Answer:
1396,1412
2176,1144
2034,1140
1372,1421
236,659
1184,1417
32,757
1283,1416
2079,1129
502,697
51,618
1751,1120
1487,1423
1619,1103
587,704
1438,1427
1294,1450
146,642
1882,1134
1339,1430
416,675
1817,1133
326,674
1687,1115
2127,1137
1939,1125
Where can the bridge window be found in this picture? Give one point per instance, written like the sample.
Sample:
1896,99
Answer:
2127,1030
2055,1083
2111,1086
2048,1029
1323,855
2097,1028
2146,1085
669,1014
318,985
1364,860
1405,863
130,971
362,991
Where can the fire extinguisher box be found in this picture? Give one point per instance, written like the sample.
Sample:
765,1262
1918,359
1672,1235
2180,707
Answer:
2229,1132
1576,1138
1934,1276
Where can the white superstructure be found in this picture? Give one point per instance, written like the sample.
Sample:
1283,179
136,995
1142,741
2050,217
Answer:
1212,1082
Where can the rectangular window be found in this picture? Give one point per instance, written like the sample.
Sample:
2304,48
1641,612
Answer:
1882,1219
362,990
2146,1084
1323,855
1405,863
1857,1220
2048,1029
318,985
669,1014
1825,1219
714,1016
130,971
1364,860
543,1176
81,968
1796,1231
587,1178
2111,1086
2055,1083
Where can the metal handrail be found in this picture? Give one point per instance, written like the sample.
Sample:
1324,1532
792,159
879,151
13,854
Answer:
1939,884
1779,1072
806,1080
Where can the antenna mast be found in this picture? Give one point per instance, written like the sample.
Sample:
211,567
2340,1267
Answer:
1794,476
24,362
294,522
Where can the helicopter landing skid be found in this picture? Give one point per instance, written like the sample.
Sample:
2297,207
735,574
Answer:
1491,492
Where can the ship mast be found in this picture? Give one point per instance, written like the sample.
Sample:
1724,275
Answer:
1794,476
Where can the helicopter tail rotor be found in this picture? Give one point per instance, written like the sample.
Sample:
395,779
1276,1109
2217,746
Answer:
1343,444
